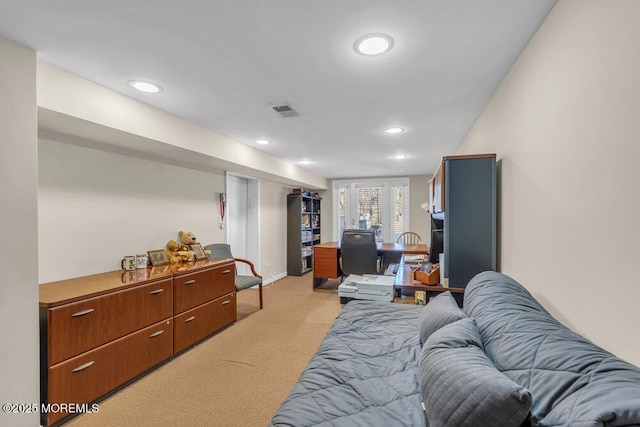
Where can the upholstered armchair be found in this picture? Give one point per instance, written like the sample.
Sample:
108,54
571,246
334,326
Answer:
223,250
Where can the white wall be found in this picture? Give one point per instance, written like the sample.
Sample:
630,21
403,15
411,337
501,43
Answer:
96,207
102,206
72,105
18,226
419,219
565,125
237,221
273,230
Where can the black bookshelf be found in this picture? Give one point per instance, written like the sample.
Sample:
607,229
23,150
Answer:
303,231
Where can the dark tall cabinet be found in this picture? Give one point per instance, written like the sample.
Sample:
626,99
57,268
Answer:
303,231
463,201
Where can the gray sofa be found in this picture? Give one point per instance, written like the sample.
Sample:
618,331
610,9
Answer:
502,360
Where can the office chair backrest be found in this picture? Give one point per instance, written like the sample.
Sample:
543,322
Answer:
359,252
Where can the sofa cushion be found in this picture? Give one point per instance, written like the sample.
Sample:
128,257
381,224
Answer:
573,382
440,311
460,386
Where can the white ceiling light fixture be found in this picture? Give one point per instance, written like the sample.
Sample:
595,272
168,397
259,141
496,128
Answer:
393,130
400,156
305,162
145,86
373,44
263,142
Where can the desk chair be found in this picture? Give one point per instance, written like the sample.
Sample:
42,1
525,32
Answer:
222,250
359,253
409,238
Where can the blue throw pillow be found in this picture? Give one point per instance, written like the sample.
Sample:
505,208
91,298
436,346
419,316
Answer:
440,311
460,385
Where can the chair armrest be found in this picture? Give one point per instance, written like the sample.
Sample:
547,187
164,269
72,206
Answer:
253,269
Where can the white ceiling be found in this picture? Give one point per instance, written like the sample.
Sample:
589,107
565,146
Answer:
222,63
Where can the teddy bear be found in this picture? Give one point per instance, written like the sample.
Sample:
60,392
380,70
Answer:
188,238
178,253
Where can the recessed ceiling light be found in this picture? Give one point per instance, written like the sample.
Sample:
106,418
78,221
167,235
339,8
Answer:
305,162
145,86
263,142
400,156
373,44
393,130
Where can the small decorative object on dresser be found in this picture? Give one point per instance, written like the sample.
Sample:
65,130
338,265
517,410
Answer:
142,260
158,257
188,238
198,250
128,262
431,276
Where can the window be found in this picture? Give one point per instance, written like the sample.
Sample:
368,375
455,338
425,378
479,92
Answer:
381,205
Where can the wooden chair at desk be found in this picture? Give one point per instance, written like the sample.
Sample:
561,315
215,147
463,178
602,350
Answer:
409,238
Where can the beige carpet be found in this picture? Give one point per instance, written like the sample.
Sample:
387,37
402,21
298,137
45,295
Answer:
238,377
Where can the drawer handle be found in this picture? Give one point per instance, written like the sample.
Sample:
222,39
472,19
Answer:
155,334
190,282
226,302
226,272
83,367
189,319
157,291
82,313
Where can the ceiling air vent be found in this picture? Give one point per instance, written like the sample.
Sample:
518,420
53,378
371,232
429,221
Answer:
285,110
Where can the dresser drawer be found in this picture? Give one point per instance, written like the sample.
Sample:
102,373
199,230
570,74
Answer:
191,326
330,253
90,375
194,289
225,280
224,311
78,327
325,267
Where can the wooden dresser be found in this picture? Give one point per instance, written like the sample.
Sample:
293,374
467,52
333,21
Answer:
99,332
204,301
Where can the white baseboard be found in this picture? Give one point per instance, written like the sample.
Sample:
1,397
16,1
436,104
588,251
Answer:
271,279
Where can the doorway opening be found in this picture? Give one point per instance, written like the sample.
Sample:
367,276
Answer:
243,219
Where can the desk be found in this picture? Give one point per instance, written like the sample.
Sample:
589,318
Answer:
458,293
326,256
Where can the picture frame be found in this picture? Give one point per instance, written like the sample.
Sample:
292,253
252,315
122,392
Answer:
158,257
198,250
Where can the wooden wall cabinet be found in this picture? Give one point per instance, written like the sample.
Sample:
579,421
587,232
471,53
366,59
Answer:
99,332
303,231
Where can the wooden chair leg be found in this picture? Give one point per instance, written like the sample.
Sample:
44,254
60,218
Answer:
260,288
